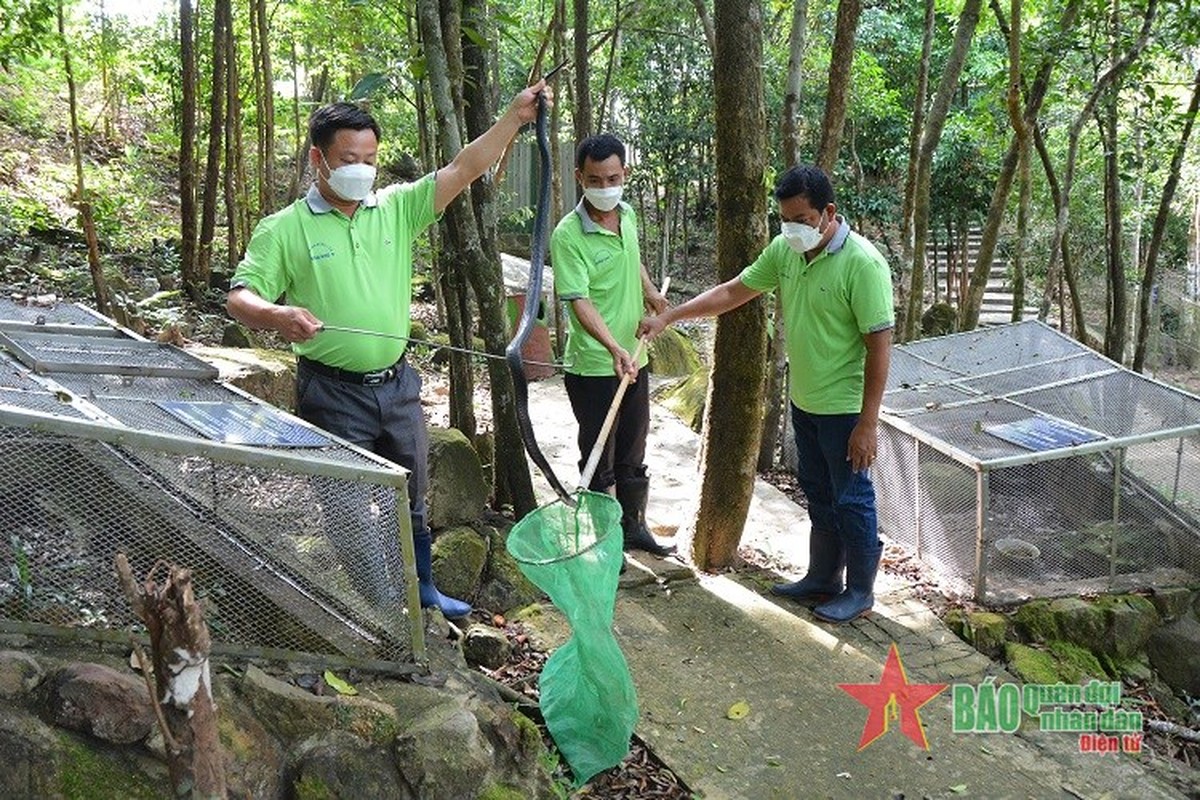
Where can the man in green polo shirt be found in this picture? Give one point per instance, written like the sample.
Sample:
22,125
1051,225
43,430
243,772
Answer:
342,255
836,293
598,271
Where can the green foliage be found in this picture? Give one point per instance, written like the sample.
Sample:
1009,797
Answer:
25,29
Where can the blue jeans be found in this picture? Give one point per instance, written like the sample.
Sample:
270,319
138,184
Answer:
840,500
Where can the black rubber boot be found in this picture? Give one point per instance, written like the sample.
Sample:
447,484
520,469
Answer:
451,607
631,494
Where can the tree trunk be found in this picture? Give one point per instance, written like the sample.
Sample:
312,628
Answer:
605,112
914,157
794,83
836,96
99,284
231,182
732,415
187,147
1160,224
266,122
583,91
1021,121
930,136
1068,271
212,168
1099,87
511,471
710,35
179,646
776,390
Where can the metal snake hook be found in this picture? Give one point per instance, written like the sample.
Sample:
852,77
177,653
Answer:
533,294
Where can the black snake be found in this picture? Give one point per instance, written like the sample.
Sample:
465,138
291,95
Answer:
533,294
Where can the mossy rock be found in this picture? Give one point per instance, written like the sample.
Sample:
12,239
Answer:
1075,664
686,398
504,587
1036,621
1173,602
987,631
1079,621
459,557
417,332
457,492
939,319
673,355
1030,665
956,621
88,772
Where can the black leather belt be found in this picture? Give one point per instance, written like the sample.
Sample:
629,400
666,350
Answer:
377,378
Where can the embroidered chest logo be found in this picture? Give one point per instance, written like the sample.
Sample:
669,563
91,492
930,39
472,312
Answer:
319,252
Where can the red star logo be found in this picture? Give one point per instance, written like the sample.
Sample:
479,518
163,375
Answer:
893,697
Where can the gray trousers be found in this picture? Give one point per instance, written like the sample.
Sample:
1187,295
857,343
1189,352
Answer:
387,420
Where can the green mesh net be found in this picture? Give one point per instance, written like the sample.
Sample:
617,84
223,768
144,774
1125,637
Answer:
588,701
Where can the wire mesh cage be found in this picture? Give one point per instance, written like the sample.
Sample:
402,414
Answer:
1018,463
300,547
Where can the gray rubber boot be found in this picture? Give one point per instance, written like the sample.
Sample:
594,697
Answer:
826,562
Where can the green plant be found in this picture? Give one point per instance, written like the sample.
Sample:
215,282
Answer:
21,574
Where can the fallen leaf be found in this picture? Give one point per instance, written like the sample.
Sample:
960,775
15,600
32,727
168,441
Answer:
339,685
959,789
739,710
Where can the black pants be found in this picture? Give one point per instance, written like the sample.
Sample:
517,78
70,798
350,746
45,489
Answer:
624,454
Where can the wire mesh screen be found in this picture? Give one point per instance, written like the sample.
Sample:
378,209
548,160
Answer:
285,560
1018,463
295,545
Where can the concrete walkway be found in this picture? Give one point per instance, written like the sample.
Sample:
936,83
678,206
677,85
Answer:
699,644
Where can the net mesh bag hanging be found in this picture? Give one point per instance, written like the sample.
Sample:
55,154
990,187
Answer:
574,554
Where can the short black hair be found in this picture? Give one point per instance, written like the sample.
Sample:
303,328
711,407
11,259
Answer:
598,148
327,120
807,181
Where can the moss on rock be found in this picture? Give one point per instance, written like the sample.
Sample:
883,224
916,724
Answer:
1036,621
1030,665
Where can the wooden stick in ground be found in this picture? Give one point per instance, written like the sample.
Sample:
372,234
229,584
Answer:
589,469
179,648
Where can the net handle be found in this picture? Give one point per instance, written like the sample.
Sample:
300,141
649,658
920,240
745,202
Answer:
593,461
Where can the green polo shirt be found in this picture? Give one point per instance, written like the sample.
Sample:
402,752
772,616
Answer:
353,272
593,263
829,304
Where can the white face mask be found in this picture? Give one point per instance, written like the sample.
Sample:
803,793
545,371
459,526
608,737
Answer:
605,199
352,181
801,237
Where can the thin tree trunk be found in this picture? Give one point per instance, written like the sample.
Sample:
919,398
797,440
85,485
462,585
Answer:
583,91
232,151
266,122
180,646
838,93
212,170
1021,121
82,203
914,157
187,147
1160,224
604,113
776,390
1079,324
1099,87
732,416
710,36
930,137
511,470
